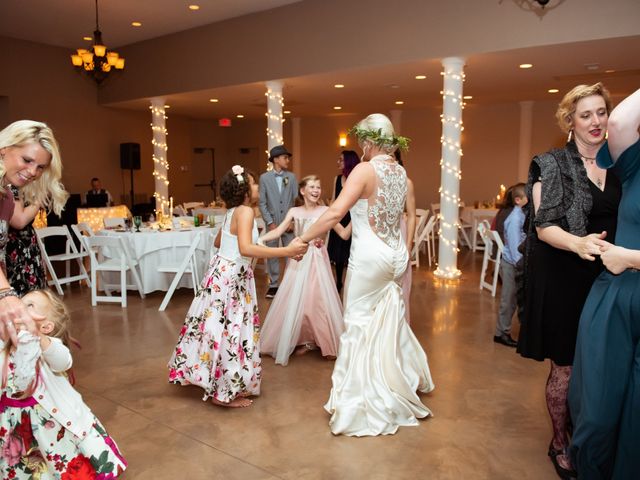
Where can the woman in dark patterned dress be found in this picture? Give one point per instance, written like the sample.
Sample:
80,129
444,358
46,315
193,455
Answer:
25,269
338,248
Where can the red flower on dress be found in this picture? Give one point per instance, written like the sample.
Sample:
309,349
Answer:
23,429
79,468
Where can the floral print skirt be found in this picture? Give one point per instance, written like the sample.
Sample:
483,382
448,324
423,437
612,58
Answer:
218,345
34,445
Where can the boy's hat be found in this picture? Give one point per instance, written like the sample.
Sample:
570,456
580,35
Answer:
277,151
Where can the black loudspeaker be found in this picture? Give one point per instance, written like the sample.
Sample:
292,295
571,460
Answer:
130,156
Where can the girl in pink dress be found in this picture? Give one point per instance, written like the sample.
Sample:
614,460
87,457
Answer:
218,345
306,311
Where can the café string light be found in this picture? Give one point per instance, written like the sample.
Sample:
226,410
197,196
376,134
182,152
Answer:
160,162
451,174
98,61
274,135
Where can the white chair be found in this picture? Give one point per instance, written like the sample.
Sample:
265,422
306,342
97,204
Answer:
428,237
110,254
70,253
188,206
491,241
464,227
82,230
421,222
179,211
186,265
114,222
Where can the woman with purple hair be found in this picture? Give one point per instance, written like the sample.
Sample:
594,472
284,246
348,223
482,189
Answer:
339,248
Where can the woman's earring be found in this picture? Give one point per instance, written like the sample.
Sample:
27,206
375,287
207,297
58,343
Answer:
570,136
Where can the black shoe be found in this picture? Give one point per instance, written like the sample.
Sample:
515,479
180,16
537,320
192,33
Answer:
271,292
505,339
562,472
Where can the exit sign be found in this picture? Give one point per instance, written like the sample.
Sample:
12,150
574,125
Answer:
224,122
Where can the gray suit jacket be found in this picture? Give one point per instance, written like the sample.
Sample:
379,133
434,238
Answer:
274,205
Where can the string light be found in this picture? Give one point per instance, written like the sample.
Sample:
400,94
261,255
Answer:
452,126
160,161
274,135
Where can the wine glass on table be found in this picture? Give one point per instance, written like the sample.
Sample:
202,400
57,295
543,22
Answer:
137,221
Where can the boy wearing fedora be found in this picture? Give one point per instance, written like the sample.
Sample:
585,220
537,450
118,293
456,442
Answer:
278,191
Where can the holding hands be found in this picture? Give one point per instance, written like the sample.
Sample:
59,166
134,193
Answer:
591,245
297,248
616,259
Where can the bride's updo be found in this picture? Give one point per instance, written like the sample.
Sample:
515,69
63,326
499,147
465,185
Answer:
377,130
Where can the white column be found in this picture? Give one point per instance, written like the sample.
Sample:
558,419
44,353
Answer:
450,168
160,159
396,120
275,118
296,147
526,132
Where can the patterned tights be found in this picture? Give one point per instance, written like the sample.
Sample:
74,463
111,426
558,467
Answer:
556,395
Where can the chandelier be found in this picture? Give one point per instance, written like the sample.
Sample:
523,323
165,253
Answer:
97,61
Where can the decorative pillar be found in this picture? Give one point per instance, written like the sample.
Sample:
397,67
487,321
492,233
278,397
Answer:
296,148
450,168
275,118
396,120
160,161
526,132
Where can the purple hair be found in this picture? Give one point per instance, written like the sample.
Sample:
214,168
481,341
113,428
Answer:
351,159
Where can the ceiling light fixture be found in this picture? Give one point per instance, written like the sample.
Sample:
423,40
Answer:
609,71
240,116
467,97
399,102
194,7
420,77
338,85
553,90
337,108
524,66
97,61
213,100
167,107
136,24
287,112
88,39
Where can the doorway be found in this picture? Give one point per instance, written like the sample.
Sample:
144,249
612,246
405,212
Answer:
204,168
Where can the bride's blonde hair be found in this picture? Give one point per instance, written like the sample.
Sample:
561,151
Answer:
377,130
47,190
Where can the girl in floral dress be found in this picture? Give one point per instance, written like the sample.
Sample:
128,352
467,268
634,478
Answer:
307,311
218,345
46,430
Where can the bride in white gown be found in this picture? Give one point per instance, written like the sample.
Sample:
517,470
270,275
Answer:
380,364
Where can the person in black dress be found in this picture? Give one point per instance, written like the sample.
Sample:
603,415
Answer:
339,248
25,268
573,209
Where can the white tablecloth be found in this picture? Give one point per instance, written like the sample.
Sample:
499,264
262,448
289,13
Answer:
474,216
152,248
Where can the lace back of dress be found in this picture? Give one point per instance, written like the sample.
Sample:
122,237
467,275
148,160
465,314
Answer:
387,206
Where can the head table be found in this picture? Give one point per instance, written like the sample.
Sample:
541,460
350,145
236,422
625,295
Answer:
153,248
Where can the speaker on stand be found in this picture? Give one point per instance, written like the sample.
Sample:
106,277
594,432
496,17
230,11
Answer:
130,160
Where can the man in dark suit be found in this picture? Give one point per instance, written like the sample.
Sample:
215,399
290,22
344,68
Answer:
278,191
98,196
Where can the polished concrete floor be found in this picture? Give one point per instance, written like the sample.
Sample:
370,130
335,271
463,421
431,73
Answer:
490,417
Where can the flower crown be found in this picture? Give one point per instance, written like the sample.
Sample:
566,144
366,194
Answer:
238,171
377,138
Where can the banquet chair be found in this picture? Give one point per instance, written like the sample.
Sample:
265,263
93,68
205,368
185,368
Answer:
110,254
186,265
464,227
179,211
70,253
82,230
491,241
417,240
114,222
188,206
428,238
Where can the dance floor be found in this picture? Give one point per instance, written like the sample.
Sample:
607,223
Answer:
490,417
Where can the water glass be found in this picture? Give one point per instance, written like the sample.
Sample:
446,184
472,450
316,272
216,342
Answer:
196,221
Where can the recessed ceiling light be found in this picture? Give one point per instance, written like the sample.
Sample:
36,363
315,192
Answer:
88,39
166,107
287,111
399,102
213,100
136,24
592,66
467,97
393,85
240,116
526,65
337,108
338,85
420,77
194,7
553,90
609,71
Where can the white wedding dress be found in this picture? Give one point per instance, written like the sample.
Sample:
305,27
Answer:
380,363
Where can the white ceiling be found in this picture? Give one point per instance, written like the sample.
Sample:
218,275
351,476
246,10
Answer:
64,22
